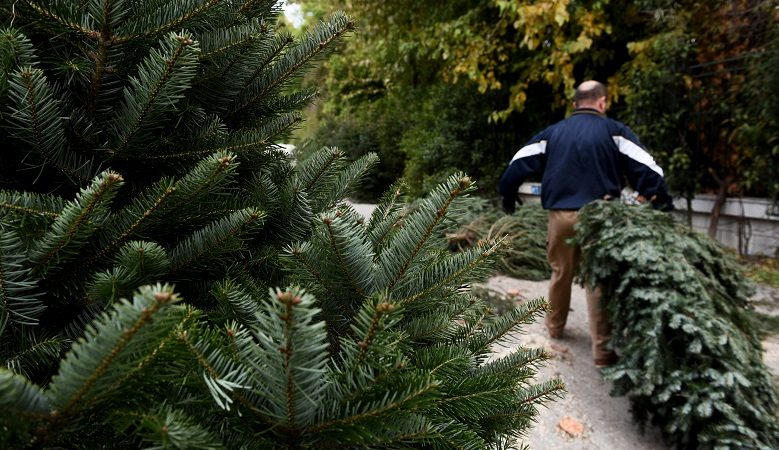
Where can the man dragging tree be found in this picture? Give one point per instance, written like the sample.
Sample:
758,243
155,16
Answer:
583,158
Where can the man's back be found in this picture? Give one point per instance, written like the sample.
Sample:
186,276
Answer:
582,161
583,158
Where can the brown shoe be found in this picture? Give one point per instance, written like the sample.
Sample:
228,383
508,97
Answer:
555,334
606,361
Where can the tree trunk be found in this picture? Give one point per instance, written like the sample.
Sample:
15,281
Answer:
722,195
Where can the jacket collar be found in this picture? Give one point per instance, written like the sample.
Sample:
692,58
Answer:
592,111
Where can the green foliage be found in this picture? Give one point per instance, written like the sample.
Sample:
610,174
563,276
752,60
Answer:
433,88
139,152
400,357
691,360
387,93
525,232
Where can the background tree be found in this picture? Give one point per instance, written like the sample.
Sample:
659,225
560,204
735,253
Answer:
682,74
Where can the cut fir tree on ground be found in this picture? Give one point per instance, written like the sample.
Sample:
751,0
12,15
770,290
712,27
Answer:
138,156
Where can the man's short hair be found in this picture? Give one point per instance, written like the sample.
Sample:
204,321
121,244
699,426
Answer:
589,92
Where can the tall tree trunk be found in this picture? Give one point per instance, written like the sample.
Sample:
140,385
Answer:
722,195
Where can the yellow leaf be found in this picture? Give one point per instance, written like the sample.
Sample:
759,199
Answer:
561,12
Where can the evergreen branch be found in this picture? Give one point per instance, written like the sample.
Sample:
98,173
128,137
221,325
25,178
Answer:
130,231
290,359
76,222
463,184
453,435
314,169
268,55
399,431
116,340
174,334
37,120
100,58
107,12
297,252
325,34
248,5
501,391
31,204
214,373
328,195
238,76
395,402
540,392
444,275
161,200
20,397
223,40
208,175
237,299
434,324
498,329
386,217
168,427
19,300
445,362
519,360
249,140
472,325
174,21
137,263
341,260
16,50
213,240
381,310
162,79
49,12
35,353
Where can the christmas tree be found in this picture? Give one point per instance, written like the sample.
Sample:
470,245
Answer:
139,163
692,361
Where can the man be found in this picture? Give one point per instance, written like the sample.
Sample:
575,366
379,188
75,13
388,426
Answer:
583,158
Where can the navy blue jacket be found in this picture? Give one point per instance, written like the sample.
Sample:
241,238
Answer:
583,158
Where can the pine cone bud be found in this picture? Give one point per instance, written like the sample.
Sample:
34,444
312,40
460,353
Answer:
288,298
385,307
162,297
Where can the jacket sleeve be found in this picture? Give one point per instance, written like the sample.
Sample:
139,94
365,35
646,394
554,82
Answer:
642,172
529,160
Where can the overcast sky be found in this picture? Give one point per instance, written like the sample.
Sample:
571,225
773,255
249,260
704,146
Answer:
293,13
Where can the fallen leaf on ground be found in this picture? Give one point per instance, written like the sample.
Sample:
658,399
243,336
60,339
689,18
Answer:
573,427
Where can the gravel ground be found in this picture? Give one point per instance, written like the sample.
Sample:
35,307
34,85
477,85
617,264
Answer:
605,421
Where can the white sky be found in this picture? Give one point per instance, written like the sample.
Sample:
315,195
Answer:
294,13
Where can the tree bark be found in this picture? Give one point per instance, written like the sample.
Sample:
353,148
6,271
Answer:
722,195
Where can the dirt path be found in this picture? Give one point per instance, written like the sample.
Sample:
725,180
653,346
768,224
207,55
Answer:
605,421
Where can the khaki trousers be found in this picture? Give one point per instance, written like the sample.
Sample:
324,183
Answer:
564,258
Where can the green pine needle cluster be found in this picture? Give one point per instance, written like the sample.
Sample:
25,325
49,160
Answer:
690,360
147,218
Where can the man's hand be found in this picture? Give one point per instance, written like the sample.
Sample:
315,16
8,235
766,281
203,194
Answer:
509,203
665,205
